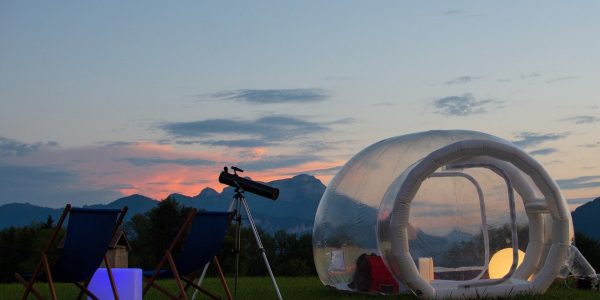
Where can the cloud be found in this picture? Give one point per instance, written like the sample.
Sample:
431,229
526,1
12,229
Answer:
240,143
340,121
338,78
10,147
460,13
273,96
112,167
528,139
105,172
522,77
579,201
582,182
531,75
151,161
278,161
553,162
184,183
463,105
324,171
117,144
318,145
243,143
321,145
593,145
453,12
462,80
47,186
545,151
382,104
564,78
271,128
582,119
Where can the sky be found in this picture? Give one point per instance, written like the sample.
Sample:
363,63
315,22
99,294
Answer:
103,100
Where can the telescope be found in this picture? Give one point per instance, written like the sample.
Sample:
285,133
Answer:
239,201
246,184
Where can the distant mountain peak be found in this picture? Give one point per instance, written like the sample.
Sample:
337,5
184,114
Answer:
135,196
305,177
132,198
300,179
177,196
589,205
27,205
14,204
207,193
585,219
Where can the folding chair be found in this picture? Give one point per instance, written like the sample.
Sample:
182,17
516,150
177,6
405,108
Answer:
205,237
88,236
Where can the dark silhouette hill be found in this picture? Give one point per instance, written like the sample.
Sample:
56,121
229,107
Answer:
586,219
22,214
136,204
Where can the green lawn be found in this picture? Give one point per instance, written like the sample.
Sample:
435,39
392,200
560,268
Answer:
291,288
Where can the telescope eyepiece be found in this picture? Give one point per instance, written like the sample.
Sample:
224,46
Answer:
236,169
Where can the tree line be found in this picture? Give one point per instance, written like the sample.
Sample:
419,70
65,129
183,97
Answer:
152,232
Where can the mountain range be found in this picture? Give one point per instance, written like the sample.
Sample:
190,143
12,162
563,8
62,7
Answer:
294,210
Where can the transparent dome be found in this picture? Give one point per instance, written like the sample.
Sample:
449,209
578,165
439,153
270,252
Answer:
449,221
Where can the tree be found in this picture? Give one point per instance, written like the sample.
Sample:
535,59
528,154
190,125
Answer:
590,249
152,233
293,254
20,248
49,222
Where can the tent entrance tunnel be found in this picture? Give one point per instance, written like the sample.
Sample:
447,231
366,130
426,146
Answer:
437,207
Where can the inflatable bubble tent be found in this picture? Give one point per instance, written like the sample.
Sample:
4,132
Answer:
436,207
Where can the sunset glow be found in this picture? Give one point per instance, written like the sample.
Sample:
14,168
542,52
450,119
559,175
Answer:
92,110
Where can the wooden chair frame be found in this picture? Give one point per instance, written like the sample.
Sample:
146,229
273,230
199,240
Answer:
189,281
43,263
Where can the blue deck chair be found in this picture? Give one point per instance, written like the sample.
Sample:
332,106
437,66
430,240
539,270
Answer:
88,235
206,234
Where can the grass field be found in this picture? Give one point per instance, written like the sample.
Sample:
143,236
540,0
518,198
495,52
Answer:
291,288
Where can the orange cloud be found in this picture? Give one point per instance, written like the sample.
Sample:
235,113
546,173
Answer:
157,170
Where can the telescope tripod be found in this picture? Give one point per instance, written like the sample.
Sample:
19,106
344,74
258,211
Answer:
240,202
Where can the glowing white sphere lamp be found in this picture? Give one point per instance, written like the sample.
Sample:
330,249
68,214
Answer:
501,261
